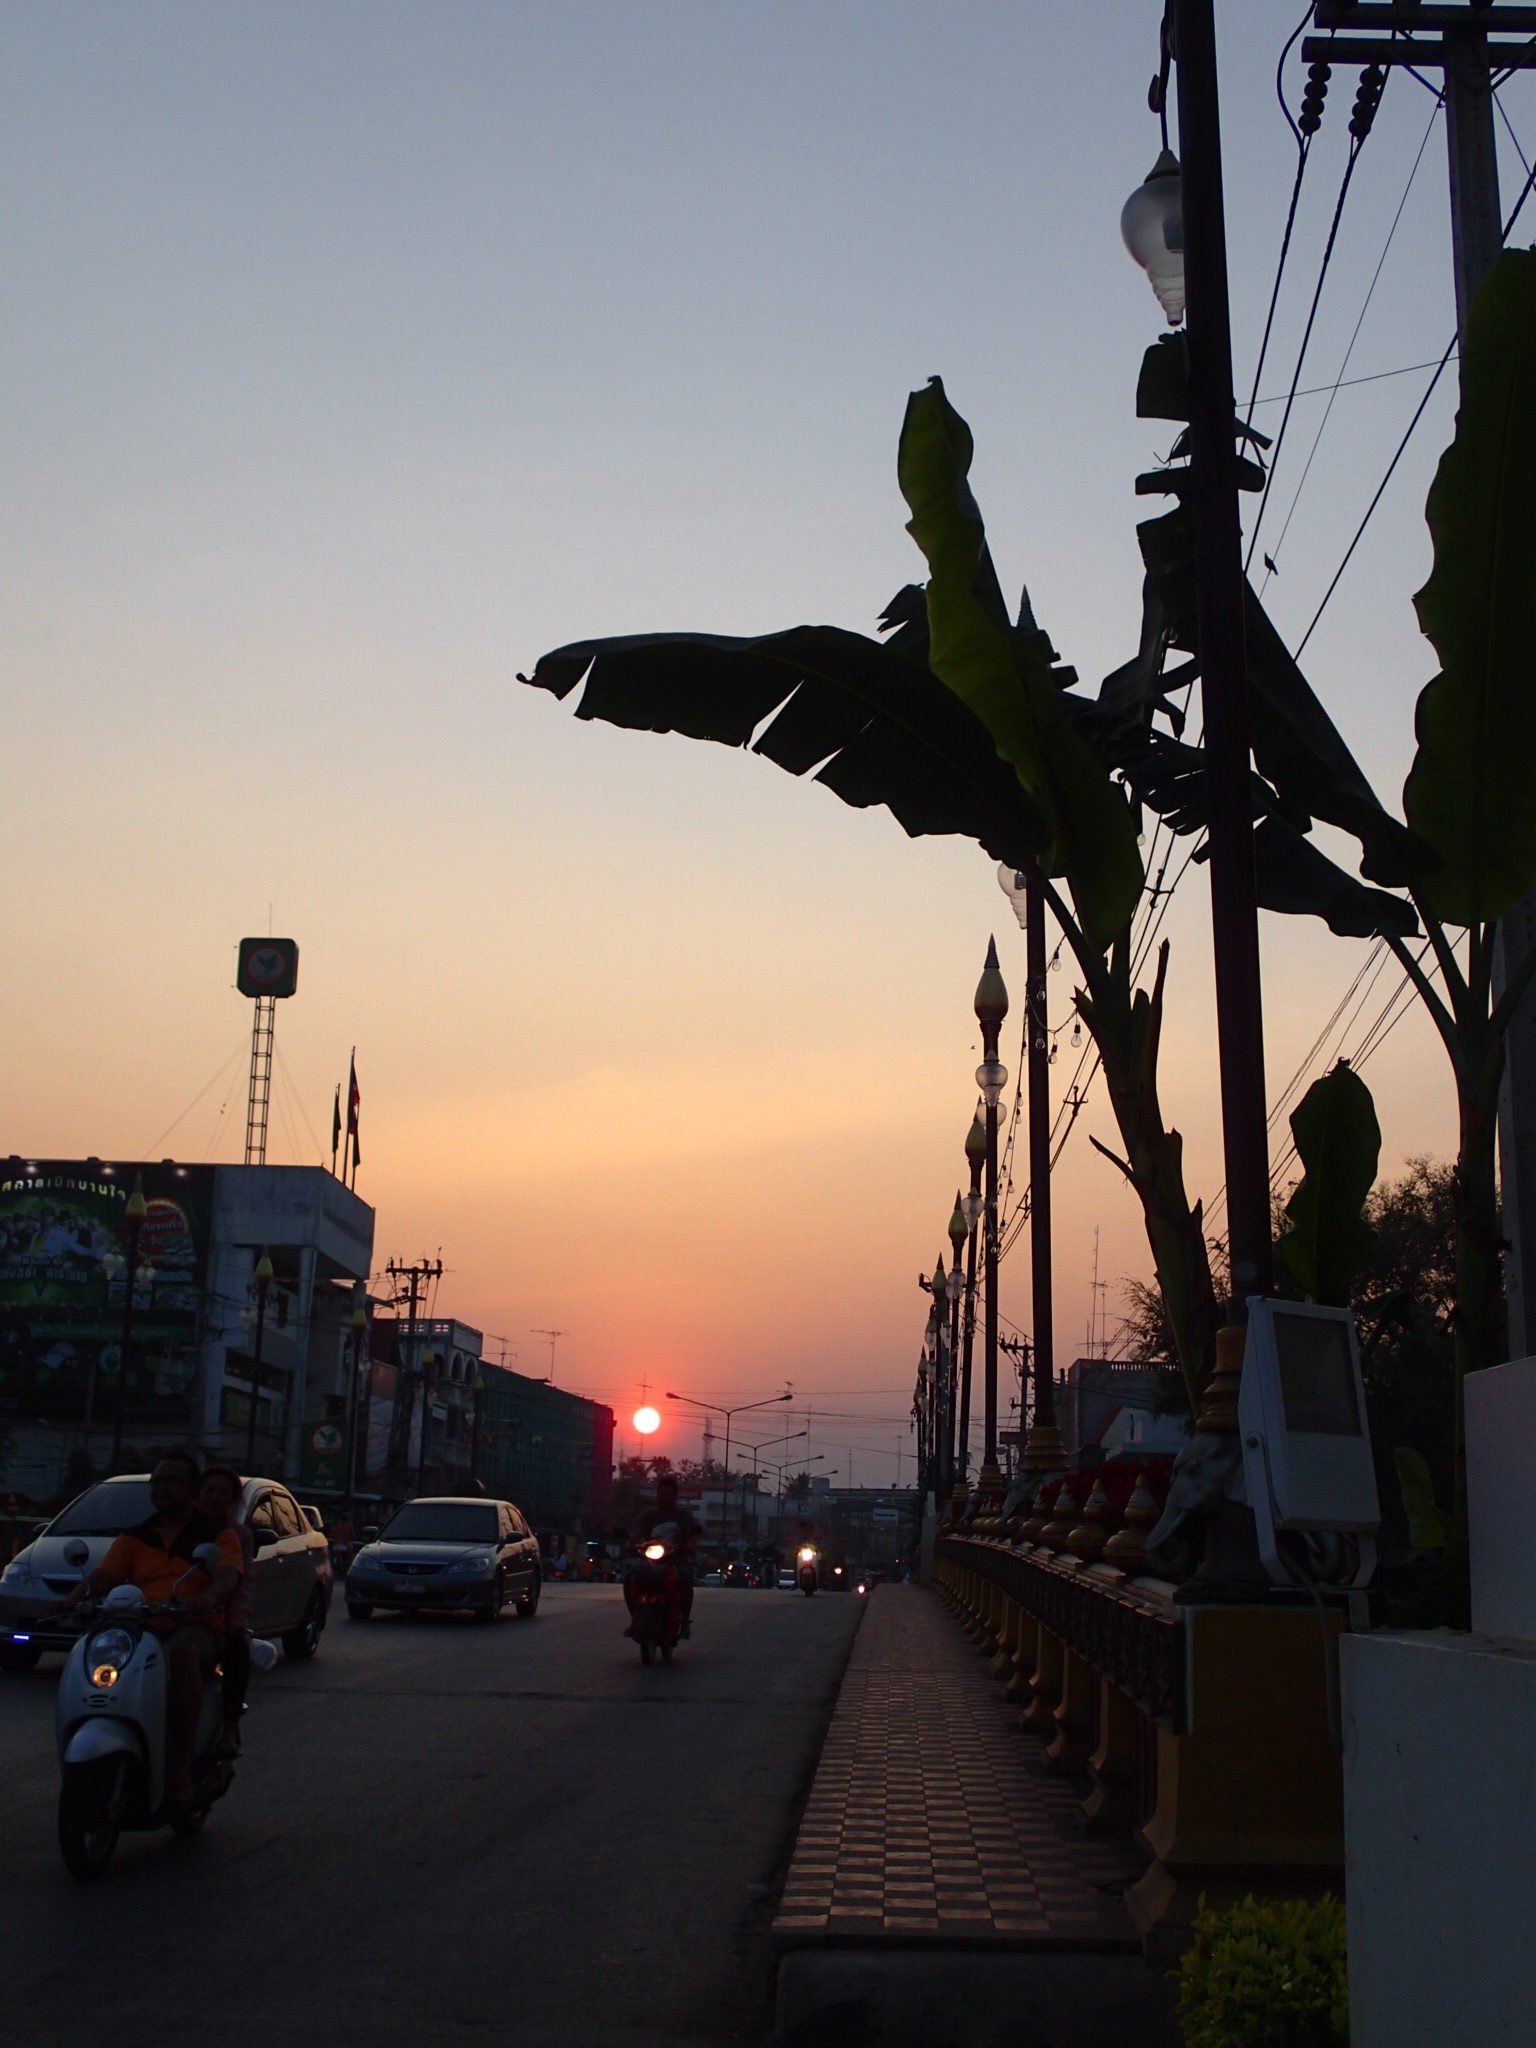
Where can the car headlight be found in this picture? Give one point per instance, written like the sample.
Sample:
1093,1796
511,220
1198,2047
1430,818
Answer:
17,1573
477,1561
109,1651
363,1562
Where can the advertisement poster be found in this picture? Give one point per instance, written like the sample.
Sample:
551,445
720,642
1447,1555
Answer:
64,1276
323,1457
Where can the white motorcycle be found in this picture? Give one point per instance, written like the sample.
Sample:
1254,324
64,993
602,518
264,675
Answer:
110,1721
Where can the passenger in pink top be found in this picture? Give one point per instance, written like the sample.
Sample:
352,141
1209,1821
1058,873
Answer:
218,1497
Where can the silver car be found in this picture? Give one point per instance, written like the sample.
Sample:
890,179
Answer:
448,1550
291,1596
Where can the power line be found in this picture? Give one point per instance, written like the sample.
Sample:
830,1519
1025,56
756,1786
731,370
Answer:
1350,349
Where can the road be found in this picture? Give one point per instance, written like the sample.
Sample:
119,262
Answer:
446,1833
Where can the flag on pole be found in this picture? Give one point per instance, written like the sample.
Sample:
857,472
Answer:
336,1127
354,1106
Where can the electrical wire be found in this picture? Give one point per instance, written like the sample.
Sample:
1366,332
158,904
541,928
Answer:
1345,383
223,1068
1360,128
1509,225
1365,304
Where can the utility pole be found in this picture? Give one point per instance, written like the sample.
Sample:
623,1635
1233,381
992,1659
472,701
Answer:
1219,592
414,1278
1454,40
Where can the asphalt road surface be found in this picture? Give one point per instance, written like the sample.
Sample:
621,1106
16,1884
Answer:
446,1833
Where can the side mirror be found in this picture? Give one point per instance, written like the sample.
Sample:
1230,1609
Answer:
77,1554
371,1532
206,1557
265,1538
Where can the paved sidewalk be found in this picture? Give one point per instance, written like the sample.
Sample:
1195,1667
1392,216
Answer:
932,1820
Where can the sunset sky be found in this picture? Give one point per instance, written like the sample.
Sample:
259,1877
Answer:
358,354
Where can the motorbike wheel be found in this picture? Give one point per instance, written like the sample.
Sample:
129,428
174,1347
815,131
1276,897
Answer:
192,1821
301,1643
807,1591
19,1656
88,1830
647,1649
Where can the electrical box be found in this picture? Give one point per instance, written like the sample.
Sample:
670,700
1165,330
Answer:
1306,1448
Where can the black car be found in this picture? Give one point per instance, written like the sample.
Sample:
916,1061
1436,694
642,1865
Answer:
448,1550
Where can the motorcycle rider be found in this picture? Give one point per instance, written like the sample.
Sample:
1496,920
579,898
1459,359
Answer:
668,1513
154,1556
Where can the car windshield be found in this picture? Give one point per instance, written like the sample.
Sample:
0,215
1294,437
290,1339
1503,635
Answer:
442,1521
105,1510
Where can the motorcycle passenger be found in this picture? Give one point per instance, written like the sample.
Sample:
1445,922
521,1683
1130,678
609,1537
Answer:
688,1531
217,1498
153,1557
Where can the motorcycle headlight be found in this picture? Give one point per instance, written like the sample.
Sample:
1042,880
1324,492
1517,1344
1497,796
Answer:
807,1557
477,1561
109,1651
655,1552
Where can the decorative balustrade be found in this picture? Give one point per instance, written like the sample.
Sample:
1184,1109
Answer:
1209,1730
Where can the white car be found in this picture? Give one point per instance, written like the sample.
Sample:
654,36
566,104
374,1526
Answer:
292,1594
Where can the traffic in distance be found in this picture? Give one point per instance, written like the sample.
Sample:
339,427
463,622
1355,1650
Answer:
163,1591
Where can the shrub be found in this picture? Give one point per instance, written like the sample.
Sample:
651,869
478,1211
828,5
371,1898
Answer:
1267,1973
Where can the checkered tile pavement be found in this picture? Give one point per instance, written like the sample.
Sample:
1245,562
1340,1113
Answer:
932,1817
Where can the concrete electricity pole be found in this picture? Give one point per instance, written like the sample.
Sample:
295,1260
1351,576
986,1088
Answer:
1454,40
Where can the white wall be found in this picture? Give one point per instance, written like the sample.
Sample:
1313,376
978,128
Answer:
1440,1828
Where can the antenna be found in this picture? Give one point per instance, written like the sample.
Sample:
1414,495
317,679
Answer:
552,1335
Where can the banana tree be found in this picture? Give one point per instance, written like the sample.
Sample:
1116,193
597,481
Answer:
1464,851
962,719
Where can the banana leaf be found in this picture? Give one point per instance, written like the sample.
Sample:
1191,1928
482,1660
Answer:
877,727
1339,1141
1469,791
1008,677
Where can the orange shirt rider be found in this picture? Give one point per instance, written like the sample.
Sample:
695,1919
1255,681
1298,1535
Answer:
141,1557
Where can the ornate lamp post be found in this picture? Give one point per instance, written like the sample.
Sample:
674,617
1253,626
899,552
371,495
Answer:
263,1277
991,1079
134,1213
954,1287
974,1204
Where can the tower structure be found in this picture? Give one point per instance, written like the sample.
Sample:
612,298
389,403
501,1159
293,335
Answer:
266,971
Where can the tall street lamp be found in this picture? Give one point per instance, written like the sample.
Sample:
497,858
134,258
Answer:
263,1277
959,1231
769,1444
974,1203
134,1213
991,1078
741,1408
1043,1453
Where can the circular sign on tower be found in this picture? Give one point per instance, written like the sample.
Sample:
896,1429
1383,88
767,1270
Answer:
267,967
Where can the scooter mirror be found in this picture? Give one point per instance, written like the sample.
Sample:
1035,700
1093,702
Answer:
206,1557
263,1654
77,1554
